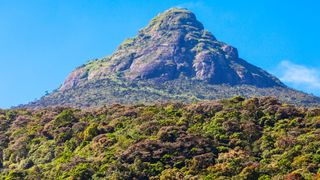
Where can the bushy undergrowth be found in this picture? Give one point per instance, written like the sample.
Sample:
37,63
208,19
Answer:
117,90
256,138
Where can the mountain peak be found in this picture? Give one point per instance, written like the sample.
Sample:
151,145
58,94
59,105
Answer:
174,18
172,59
174,45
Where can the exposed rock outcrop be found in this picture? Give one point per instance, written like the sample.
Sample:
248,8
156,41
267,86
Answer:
174,45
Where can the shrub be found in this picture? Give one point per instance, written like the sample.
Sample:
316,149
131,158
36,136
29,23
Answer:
82,172
91,132
65,118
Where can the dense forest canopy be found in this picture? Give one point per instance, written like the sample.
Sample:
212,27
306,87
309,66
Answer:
257,138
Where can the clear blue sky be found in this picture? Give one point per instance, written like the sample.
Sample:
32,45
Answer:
42,41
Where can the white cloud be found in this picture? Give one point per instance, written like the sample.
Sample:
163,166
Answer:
192,5
299,76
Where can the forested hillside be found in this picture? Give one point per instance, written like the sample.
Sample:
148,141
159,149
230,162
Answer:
117,90
257,138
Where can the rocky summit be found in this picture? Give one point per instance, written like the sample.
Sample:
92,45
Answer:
172,59
174,45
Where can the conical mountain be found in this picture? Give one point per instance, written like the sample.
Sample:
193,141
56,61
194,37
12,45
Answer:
172,59
173,45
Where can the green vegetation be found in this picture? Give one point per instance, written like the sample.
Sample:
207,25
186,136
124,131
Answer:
126,43
257,138
118,90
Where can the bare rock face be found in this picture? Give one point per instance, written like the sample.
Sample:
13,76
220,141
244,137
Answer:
174,45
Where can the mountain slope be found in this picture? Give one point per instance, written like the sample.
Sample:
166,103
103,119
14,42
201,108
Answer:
172,59
175,44
112,91
229,139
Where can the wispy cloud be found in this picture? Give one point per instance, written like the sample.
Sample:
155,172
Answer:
299,76
194,5
191,5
